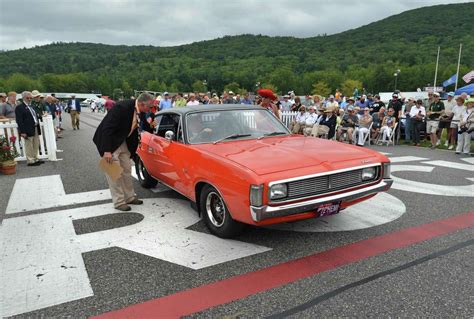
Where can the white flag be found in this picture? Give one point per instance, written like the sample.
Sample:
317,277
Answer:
468,77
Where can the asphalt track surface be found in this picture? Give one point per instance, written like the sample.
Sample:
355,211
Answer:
430,275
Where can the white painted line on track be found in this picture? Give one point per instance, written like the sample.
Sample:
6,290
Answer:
470,160
399,159
47,192
386,154
464,167
378,210
42,265
427,188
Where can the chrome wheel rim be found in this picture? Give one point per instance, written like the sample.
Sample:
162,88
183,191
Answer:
141,171
215,209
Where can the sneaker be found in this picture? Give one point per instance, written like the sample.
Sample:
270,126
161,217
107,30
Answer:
124,208
450,147
136,201
438,143
446,144
433,147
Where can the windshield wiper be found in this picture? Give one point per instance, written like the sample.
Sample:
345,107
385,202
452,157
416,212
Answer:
272,134
232,137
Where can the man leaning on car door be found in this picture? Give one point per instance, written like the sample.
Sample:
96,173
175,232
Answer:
116,139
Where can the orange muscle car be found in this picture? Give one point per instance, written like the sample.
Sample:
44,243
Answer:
240,165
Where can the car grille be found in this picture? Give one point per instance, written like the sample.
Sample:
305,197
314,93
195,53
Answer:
326,184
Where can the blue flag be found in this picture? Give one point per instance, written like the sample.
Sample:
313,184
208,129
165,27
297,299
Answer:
450,81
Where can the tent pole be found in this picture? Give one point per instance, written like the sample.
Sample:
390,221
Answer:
436,71
457,72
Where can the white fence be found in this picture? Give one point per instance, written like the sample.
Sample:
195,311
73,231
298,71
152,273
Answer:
47,139
287,116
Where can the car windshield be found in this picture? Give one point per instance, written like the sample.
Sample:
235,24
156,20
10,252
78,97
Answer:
230,125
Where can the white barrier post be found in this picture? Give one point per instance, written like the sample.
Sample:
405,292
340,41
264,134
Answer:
50,137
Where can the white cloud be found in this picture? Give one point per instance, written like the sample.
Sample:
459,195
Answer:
25,23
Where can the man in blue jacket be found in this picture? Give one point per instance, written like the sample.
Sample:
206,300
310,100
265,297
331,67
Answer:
74,107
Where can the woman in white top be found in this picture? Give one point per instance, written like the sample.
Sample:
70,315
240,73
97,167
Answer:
465,127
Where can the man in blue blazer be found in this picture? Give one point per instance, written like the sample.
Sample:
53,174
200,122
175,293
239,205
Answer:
74,107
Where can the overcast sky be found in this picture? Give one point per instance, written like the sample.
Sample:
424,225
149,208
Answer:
26,23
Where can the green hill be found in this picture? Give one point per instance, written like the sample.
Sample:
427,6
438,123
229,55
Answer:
369,54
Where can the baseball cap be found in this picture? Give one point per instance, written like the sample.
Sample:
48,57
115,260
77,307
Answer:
451,94
469,100
436,94
166,93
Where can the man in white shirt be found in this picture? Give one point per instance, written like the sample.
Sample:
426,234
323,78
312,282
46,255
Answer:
448,115
311,120
299,122
417,115
286,104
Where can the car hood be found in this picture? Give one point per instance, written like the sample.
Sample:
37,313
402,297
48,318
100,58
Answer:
276,154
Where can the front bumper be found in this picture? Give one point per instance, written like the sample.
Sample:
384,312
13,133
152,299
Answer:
266,212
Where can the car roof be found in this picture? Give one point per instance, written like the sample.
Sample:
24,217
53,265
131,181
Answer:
209,107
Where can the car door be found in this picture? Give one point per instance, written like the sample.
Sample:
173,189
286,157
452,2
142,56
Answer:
170,156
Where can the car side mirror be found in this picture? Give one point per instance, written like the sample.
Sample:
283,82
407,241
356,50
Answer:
169,135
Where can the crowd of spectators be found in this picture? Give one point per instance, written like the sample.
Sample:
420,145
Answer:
356,120
28,110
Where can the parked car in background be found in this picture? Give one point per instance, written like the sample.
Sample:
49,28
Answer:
240,165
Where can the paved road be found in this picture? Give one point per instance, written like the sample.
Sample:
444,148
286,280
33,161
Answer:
66,252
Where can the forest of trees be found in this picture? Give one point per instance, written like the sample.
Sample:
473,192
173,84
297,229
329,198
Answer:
366,57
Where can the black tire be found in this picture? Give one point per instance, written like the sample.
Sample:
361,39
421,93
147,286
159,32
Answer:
144,178
216,215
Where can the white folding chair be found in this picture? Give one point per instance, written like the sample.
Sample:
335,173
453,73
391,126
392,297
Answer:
391,137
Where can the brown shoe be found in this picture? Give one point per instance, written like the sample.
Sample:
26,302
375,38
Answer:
124,208
136,201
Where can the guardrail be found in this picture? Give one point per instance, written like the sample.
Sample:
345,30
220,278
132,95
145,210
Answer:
47,139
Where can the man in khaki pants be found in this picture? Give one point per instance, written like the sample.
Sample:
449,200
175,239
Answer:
116,139
74,106
29,128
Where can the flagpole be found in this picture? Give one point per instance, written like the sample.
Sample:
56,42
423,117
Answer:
457,72
436,71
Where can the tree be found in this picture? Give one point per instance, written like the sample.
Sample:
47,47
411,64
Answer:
284,79
127,89
198,86
20,82
348,87
232,86
321,88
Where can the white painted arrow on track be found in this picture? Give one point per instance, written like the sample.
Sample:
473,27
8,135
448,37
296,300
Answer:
427,188
378,210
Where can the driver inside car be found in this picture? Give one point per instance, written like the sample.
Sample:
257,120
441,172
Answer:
197,132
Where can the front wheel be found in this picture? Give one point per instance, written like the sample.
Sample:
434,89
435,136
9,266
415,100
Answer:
144,178
216,215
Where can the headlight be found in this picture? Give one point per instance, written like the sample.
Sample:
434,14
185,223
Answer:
256,195
386,170
368,173
278,191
